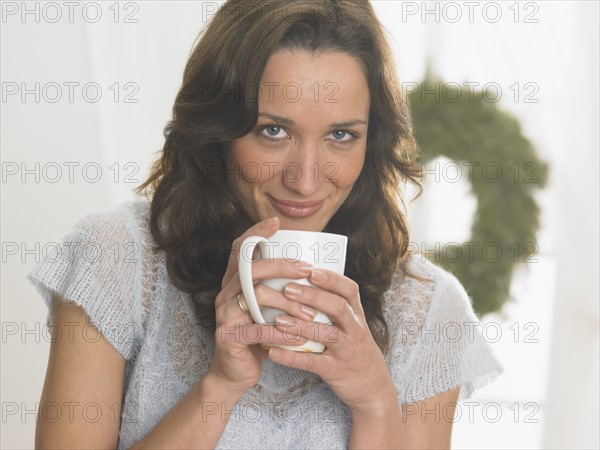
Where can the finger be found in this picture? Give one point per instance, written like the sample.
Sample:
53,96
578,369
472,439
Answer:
337,308
325,333
228,311
272,298
275,336
265,228
280,268
338,284
316,363
254,333
264,269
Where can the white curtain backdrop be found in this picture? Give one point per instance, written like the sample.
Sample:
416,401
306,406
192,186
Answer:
554,380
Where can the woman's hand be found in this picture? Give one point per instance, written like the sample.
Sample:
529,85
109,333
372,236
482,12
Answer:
352,364
237,361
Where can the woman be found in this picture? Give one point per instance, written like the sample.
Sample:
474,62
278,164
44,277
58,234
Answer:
287,118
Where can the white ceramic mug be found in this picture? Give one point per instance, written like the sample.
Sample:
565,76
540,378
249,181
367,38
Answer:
322,250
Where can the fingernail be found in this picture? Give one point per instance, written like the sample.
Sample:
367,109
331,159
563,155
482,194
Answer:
292,291
308,312
317,275
272,221
305,269
283,320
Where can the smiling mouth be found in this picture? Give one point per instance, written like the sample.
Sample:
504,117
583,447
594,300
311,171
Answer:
296,209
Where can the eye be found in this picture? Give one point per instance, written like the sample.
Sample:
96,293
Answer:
272,132
342,136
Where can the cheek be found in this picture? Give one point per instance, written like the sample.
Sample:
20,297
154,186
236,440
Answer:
349,171
247,164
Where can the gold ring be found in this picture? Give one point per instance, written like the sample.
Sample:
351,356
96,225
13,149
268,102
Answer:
241,304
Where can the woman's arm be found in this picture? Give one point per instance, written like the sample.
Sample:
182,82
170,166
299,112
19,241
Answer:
355,369
422,425
81,400
197,421
81,372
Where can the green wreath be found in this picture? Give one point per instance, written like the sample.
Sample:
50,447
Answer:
468,128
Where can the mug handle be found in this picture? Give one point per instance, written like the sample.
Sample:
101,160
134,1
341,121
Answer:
245,270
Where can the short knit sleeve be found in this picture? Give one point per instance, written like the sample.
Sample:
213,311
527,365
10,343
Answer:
97,266
435,339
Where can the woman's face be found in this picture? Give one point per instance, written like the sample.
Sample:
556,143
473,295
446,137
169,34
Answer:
308,148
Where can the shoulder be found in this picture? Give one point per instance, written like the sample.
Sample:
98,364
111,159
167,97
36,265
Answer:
422,289
130,218
104,237
115,234
100,266
435,342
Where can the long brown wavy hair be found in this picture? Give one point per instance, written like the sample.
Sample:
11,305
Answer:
194,215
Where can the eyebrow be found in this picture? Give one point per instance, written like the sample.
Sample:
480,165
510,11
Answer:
287,121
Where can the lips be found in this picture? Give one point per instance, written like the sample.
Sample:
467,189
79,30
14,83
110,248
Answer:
296,209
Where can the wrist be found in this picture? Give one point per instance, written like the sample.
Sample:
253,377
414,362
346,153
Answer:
375,424
386,404
377,428
216,385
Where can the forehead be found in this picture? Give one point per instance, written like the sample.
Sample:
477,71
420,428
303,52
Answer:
330,82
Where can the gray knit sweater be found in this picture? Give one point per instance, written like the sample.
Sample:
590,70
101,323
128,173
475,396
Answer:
108,267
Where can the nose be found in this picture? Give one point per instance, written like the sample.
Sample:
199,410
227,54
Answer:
303,171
